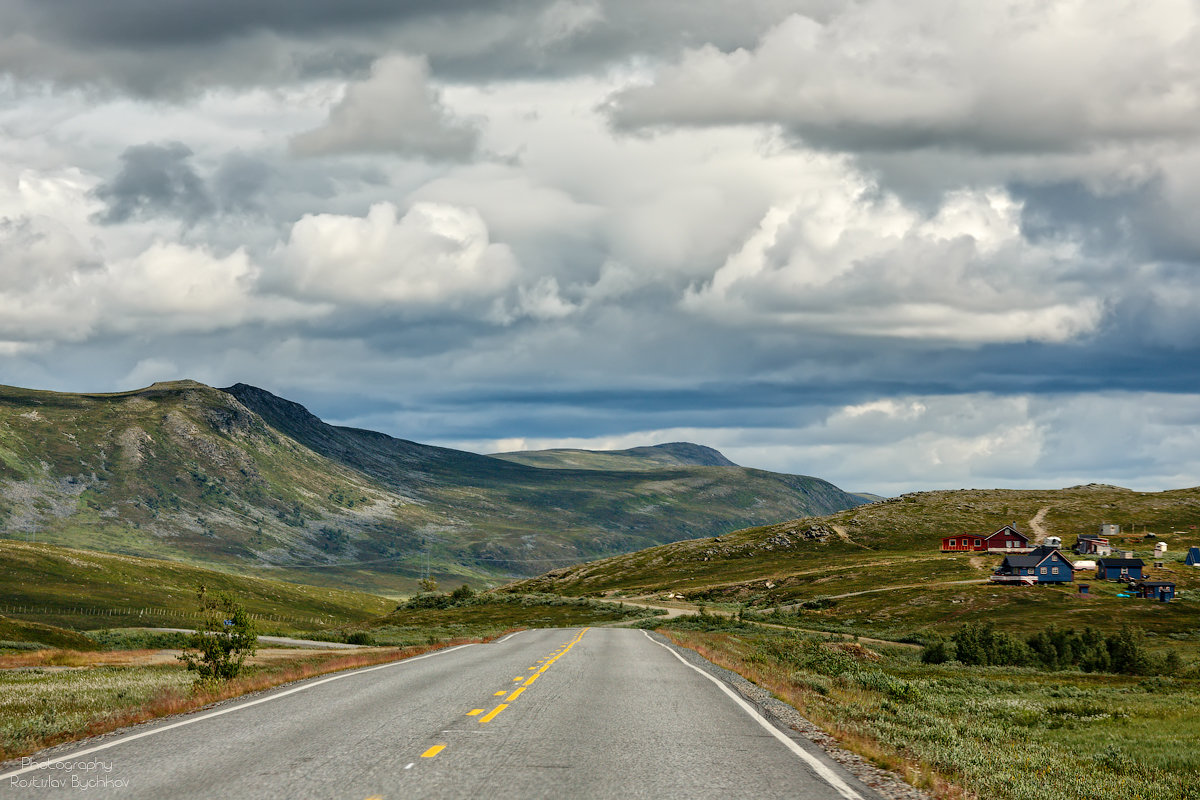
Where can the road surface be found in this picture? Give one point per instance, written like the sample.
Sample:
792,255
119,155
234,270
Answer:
567,713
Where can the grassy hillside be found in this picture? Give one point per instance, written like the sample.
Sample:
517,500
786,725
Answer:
243,480
674,454
89,590
878,569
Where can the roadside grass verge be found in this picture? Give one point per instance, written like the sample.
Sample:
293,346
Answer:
78,695
1012,733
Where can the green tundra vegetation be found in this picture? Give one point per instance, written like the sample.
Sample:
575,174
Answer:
85,591
242,480
1004,732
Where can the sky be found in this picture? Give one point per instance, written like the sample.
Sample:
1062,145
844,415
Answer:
897,245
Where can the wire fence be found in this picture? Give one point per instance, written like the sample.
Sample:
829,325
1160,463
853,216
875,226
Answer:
144,613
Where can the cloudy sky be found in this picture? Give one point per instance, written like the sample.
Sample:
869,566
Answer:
899,245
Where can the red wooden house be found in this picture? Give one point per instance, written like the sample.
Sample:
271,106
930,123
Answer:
963,544
1006,540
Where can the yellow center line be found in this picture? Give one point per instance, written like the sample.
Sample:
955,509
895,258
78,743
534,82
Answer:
497,694
515,694
433,751
519,678
491,715
475,712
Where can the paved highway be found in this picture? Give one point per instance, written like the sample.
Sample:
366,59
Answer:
565,713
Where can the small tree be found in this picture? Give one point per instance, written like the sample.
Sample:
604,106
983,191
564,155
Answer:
427,585
223,639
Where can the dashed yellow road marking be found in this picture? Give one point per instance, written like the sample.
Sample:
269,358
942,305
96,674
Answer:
519,678
502,691
433,751
475,712
491,715
515,694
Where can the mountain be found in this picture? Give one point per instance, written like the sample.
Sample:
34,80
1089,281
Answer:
243,480
673,454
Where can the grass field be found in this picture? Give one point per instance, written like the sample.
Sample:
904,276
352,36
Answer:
995,732
85,590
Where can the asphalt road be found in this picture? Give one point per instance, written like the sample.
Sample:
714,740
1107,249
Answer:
566,713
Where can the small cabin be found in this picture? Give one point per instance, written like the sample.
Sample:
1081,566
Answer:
1119,569
1042,565
1162,591
1090,544
963,544
1006,539
1193,557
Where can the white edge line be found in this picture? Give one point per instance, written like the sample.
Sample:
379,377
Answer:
498,641
818,766
219,712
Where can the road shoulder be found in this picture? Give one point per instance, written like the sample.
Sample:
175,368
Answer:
864,777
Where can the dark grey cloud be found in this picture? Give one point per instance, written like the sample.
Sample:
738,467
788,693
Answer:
239,182
155,180
175,49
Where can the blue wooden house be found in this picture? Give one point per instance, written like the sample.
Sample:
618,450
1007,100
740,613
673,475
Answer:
1193,557
1162,591
1117,569
1042,565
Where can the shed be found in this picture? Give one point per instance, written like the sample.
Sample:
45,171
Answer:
1193,557
1116,569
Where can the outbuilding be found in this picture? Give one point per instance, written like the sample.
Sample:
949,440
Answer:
1193,557
1117,569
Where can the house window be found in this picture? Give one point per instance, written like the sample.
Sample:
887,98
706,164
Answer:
977,543
1043,570
952,543
1124,570
1008,543
1054,570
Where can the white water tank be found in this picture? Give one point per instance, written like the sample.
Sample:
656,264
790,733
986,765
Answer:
1053,541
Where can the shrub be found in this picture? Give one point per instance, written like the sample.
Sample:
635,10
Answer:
359,637
222,641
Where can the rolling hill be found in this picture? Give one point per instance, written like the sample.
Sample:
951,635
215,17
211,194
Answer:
878,567
242,480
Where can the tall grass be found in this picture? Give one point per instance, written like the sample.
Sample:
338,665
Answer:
1014,733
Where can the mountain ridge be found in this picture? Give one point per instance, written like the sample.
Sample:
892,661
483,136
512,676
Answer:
245,480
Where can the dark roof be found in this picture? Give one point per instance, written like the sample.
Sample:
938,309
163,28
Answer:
1033,557
1121,562
1150,584
1091,536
